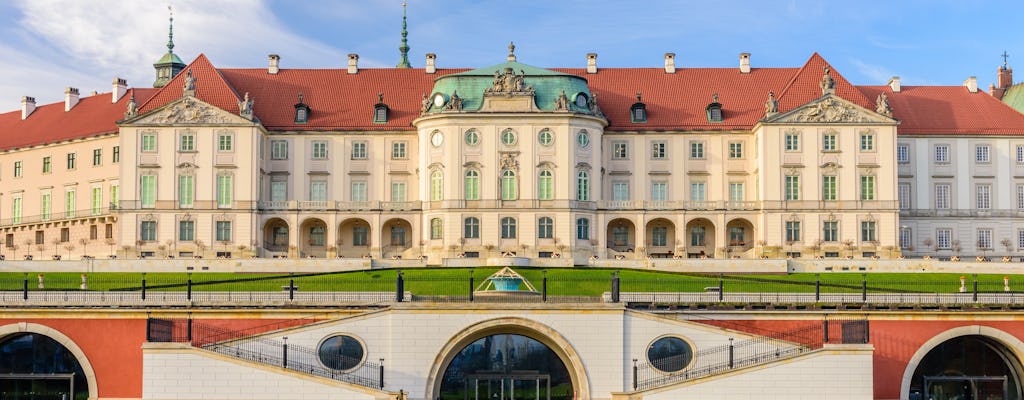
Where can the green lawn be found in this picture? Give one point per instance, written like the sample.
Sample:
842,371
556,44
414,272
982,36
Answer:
576,281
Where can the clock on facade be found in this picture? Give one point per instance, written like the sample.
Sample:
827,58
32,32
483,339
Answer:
439,100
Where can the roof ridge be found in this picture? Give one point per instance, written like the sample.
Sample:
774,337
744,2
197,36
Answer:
207,92
800,71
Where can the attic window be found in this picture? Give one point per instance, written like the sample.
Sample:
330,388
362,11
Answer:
714,110
638,112
380,110
301,111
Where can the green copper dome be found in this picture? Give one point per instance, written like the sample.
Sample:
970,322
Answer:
169,58
547,87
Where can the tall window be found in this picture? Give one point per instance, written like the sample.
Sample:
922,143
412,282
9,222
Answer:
792,187
903,193
186,231
902,153
319,150
97,157
115,195
620,235
471,228
472,185
436,186
983,197
116,158
982,153
72,161
148,191
659,236
224,191
905,238
545,185
828,142
792,141
69,202
1020,197
828,188
867,231
697,192
942,153
697,150
545,228
147,231
398,192
697,236
360,235
620,150
735,150
96,199
736,192
942,196
736,236
1020,239
944,238
985,239
224,232
358,191
148,143
582,229
278,188
187,142
583,186
398,236
659,191
16,210
225,142
45,205
436,229
278,150
659,150
17,169
508,228
318,191
359,150
509,187
398,150
792,231
830,231
867,142
867,187
620,191
186,191
47,165
1020,154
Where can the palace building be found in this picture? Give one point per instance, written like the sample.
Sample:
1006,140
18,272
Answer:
510,159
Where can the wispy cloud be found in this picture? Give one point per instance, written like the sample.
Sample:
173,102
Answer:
876,73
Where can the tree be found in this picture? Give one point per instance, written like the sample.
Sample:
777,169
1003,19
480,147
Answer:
172,245
56,244
138,247
69,247
84,242
14,248
201,246
111,242
1008,244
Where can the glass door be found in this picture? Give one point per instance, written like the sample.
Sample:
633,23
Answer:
508,387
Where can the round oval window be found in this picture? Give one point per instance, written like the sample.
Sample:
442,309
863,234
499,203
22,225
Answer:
508,136
341,352
669,354
472,137
583,138
545,137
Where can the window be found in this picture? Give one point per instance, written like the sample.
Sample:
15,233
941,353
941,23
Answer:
714,112
472,137
69,203
638,113
436,186
360,234
224,232
620,235
94,233
867,231
830,231
108,231
905,238
1020,239
380,113
358,191
698,235
319,150
45,205
583,186
985,239
508,228
736,192
398,236
17,169
792,231
1020,154
47,165
278,188
982,154
696,150
792,141
278,150
318,191
508,136
944,238
583,138
697,192
398,192
867,187
903,193
658,150
187,142
942,196
148,143
65,235
224,191
398,150
545,138
97,157
471,190
1020,197
942,153
867,141
436,229
828,142
735,150
983,197
659,236
545,185
40,237
902,153
545,228
828,188
582,229
117,154
115,195
358,150
620,191
225,142
509,189
186,231
792,187
186,191
736,236
659,191
148,191
96,200
16,210
620,150
471,228
147,233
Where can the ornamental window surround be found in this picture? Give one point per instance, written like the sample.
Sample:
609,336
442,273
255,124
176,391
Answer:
638,111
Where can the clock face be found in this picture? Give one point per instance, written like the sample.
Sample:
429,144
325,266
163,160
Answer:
436,139
581,100
438,100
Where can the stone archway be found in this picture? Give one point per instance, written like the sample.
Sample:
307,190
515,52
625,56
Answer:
700,238
64,340
621,235
313,238
395,237
276,236
517,326
1012,345
354,238
739,237
661,238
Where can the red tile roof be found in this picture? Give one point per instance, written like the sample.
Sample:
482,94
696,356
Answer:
948,110
92,116
210,87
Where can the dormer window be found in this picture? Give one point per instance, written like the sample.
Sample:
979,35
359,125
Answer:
638,112
380,110
714,110
301,111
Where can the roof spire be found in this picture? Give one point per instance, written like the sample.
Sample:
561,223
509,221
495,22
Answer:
404,48
170,31
1005,56
169,65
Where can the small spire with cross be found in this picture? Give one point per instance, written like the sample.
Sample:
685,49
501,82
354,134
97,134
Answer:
1005,56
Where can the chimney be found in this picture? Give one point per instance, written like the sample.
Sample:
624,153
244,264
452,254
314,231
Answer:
353,63
120,88
744,63
1004,78
275,64
670,63
971,84
591,63
429,66
28,105
70,98
894,84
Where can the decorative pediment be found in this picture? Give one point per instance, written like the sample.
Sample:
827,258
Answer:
830,109
188,111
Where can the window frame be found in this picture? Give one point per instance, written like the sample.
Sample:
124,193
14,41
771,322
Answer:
736,150
697,150
399,150
659,150
941,154
902,154
509,228
791,142
983,154
620,150
360,150
318,150
545,228
279,149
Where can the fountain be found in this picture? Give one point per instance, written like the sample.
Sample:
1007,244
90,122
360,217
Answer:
504,283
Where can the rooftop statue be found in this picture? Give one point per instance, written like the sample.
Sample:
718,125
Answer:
828,85
245,106
562,102
882,105
133,107
771,106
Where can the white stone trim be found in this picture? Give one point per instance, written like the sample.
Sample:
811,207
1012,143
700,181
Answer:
1011,342
29,327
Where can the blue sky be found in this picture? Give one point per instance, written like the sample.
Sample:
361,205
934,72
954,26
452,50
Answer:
51,44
